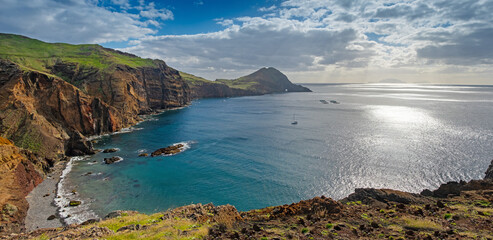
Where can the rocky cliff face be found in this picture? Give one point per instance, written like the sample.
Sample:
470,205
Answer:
19,174
131,90
47,114
40,112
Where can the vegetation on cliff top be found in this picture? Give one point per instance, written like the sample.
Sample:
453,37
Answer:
37,55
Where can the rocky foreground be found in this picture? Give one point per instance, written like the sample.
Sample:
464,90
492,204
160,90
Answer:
454,211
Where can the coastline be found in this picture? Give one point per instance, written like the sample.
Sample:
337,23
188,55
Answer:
42,202
48,198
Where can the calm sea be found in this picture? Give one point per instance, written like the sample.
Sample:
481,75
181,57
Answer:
245,151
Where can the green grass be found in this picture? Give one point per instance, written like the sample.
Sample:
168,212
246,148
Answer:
194,80
421,224
32,54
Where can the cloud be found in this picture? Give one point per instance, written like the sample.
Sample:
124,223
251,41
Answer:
302,37
267,9
461,49
82,21
257,42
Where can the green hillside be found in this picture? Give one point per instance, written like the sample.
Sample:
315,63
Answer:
194,80
37,55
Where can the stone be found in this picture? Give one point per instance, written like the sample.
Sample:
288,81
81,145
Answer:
169,150
74,203
110,150
112,160
51,217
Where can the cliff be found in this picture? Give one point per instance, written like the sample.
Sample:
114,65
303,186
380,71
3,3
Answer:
263,81
366,214
54,95
19,174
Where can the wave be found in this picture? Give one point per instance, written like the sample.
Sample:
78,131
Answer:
71,214
123,130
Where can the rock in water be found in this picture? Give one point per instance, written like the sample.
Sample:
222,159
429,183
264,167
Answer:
174,149
74,203
143,155
112,160
110,150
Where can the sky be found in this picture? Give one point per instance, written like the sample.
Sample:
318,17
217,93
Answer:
316,41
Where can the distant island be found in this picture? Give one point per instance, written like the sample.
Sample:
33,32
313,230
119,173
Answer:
391,80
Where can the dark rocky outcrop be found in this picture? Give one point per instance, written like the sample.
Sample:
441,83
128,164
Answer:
372,196
112,160
455,188
169,150
489,172
110,150
78,146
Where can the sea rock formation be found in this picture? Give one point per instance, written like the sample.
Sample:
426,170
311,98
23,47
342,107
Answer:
112,160
169,150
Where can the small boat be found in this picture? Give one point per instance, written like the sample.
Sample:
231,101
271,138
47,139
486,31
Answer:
294,122
323,101
334,102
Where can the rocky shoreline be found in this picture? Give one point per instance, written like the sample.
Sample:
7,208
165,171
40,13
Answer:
41,201
445,213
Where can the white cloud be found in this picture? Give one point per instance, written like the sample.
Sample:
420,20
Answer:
370,39
83,21
267,9
322,40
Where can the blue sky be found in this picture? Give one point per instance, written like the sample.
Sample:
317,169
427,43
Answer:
441,41
196,16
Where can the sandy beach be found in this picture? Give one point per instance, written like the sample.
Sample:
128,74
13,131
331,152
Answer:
41,202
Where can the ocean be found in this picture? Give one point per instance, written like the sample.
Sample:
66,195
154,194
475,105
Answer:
245,152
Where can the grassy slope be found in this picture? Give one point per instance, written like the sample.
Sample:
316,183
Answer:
32,54
239,83
194,80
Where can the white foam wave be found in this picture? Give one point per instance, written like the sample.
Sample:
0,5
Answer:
123,130
71,214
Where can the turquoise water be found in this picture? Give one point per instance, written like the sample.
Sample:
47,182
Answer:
245,151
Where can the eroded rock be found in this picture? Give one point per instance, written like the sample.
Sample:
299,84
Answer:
169,150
